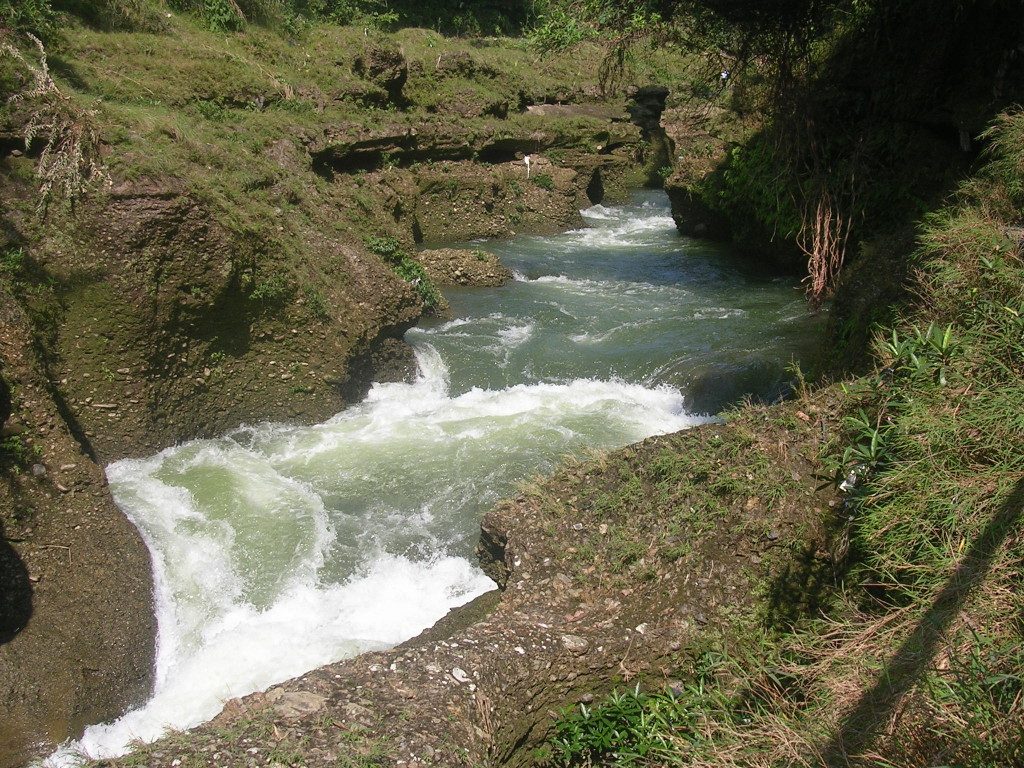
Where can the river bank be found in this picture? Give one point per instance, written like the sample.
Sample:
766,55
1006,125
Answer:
870,530
227,274
355,534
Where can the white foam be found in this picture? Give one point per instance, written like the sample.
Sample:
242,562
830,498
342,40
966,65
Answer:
599,213
247,650
445,327
718,313
516,335
618,227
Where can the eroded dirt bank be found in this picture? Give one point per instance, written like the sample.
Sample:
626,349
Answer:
76,629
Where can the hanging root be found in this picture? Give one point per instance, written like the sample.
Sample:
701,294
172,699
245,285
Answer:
823,239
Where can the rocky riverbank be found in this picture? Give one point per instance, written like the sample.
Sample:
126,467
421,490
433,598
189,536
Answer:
596,591
225,275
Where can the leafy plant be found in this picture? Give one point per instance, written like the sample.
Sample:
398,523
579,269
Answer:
558,29
622,730
12,262
544,181
317,303
869,448
407,268
15,452
272,290
35,16
223,15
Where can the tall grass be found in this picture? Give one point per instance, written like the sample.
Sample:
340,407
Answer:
920,659
467,17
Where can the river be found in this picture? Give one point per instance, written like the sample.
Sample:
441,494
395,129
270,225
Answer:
277,549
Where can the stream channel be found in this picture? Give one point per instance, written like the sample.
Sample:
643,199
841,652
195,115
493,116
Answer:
278,549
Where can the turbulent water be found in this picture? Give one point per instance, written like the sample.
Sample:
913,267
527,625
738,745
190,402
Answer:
279,549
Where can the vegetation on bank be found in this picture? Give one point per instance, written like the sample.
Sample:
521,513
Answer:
910,653
466,17
407,268
917,654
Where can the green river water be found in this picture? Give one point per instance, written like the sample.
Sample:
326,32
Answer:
278,549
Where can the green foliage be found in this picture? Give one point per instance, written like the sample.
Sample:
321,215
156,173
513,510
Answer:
272,290
753,188
116,15
557,29
407,268
561,24
221,16
983,685
637,728
210,110
35,16
12,262
544,181
317,303
622,730
17,454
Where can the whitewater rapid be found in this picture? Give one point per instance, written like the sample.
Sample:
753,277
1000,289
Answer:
241,537
278,549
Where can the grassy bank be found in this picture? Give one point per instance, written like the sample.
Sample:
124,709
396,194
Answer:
915,655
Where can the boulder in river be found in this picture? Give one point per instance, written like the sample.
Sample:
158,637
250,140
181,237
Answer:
458,266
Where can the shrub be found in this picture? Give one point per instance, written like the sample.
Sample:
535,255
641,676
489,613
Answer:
544,181
272,290
407,268
12,262
35,16
317,303
70,158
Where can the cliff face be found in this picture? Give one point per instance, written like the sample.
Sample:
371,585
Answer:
76,624
223,277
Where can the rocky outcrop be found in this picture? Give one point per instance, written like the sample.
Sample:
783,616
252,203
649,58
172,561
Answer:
455,266
645,110
76,619
385,67
186,333
465,201
706,133
348,148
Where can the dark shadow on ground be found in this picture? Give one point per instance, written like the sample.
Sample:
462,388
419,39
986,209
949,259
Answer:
15,591
861,725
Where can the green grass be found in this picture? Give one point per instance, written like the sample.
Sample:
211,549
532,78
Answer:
407,268
918,659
